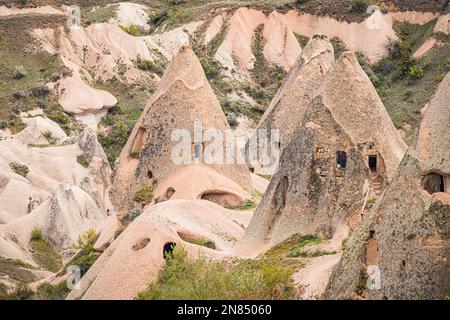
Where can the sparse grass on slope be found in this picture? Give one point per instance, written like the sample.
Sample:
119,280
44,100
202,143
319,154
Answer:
201,279
45,256
116,126
404,84
24,71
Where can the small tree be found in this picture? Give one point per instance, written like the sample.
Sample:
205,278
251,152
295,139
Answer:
359,6
36,235
19,72
87,240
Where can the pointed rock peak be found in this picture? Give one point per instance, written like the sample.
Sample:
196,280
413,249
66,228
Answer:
317,45
185,67
354,102
433,144
348,59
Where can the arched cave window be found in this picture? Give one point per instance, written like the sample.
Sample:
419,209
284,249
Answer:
169,193
433,182
373,163
150,174
168,248
341,159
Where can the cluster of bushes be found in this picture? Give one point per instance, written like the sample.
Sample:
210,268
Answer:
244,206
43,253
185,279
147,65
19,168
19,72
87,256
171,17
144,195
359,6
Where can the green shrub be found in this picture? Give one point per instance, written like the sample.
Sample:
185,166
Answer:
147,65
130,29
157,18
20,169
22,292
244,206
144,195
84,260
47,291
87,240
201,279
19,72
107,120
292,245
204,242
22,264
416,72
36,235
211,69
81,159
135,154
45,256
49,136
175,2
359,6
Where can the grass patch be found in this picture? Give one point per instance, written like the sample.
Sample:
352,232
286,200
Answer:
244,206
267,77
302,40
154,67
19,168
144,195
404,84
292,245
101,15
268,177
204,242
116,126
47,291
201,279
45,256
81,159
87,256
16,271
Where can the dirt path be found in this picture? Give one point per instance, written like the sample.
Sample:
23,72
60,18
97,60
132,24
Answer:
314,276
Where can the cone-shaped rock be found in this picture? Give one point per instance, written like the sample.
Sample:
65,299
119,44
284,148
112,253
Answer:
183,98
286,110
319,184
352,99
405,240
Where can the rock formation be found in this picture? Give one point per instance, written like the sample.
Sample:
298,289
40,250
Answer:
286,110
322,179
352,99
318,186
405,239
134,258
183,99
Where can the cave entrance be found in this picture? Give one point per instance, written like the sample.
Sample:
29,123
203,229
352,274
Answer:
139,140
371,250
168,248
341,159
169,193
433,182
222,198
373,159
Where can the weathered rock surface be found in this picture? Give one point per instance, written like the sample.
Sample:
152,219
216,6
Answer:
406,235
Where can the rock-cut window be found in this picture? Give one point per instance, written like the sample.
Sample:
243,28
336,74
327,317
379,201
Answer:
341,159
